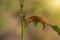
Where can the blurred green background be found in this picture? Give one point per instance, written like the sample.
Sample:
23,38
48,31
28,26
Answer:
47,9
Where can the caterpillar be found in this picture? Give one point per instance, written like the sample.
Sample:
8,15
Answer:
27,20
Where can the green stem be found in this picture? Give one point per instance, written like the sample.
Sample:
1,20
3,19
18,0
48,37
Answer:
22,28
22,19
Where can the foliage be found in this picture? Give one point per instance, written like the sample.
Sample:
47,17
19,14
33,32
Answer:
36,21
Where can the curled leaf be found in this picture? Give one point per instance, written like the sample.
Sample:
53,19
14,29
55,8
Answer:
35,22
55,28
43,26
26,24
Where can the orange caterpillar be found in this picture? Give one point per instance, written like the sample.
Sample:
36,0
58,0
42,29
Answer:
27,20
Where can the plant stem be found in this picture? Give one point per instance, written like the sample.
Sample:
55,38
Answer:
22,19
22,28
